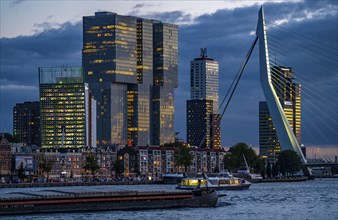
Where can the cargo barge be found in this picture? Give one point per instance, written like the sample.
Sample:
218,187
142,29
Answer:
52,201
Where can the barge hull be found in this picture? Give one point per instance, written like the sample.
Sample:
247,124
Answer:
192,199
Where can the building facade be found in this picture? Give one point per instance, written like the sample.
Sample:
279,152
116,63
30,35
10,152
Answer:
289,96
64,109
124,57
26,123
5,158
203,120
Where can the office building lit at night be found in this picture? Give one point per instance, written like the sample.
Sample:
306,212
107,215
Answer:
289,94
65,108
130,65
203,120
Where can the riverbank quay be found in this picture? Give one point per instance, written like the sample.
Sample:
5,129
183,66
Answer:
80,200
285,179
61,184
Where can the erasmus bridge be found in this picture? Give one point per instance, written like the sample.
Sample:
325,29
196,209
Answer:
272,50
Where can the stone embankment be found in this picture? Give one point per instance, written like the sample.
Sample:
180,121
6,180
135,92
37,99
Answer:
60,184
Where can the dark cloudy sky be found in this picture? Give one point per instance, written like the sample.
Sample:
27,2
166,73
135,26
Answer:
36,33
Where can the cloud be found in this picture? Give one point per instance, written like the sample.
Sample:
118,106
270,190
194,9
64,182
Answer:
17,2
138,6
20,58
227,34
176,17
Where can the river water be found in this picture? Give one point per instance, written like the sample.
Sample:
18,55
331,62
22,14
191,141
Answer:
314,199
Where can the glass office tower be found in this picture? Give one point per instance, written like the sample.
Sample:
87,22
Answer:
203,93
62,107
165,81
289,94
119,58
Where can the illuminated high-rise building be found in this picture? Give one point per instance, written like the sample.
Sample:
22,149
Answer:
203,120
165,81
289,95
130,65
65,108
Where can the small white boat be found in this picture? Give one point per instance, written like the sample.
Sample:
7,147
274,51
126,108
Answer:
247,175
217,183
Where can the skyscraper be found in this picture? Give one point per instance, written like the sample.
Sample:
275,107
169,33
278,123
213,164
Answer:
65,107
204,79
130,64
26,123
203,120
289,95
165,81
269,146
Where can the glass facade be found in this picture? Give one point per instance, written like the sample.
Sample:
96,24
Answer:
123,57
139,95
165,81
269,146
289,95
198,122
204,80
203,93
62,107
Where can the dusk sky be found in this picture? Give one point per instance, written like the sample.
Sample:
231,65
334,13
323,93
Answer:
49,33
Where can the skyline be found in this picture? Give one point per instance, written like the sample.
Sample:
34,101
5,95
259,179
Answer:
227,45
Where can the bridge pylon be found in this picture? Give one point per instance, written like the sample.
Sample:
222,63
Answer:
286,136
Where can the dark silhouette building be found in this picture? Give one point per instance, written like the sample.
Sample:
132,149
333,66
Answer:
26,123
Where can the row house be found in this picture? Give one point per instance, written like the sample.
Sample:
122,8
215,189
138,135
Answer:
153,161
5,159
146,161
207,160
69,163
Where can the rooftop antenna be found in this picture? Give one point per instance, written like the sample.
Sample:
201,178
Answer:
204,53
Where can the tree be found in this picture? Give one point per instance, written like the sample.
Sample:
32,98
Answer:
184,158
21,172
136,168
216,170
46,166
91,164
275,170
260,166
334,169
117,167
235,159
229,162
289,162
268,169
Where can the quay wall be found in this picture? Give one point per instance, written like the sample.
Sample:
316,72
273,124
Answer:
60,184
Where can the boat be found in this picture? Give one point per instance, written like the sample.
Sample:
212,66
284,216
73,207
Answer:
227,182
247,175
51,201
172,178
